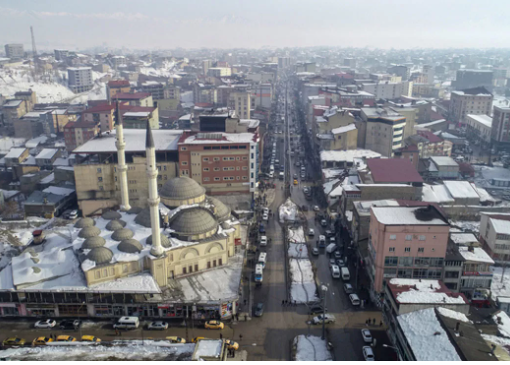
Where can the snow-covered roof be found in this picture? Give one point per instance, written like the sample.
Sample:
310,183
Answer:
426,337
500,226
406,216
348,156
421,291
164,140
482,119
453,314
363,207
58,190
34,142
429,124
46,153
461,189
444,161
48,179
463,238
211,138
476,255
344,129
436,194
12,103
208,349
15,153
137,114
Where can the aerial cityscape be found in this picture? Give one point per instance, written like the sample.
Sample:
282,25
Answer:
250,189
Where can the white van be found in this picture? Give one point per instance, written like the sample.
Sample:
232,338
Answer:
346,276
127,323
354,299
335,271
331,248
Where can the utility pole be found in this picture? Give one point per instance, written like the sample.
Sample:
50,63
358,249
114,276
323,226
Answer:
34,54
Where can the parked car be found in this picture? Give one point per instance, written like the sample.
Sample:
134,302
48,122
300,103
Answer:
311,232
368,353
70,324
324,222
259,310
332,262
214,325
40,341
329,233
337,255
176,339
262,228
354,299
66,338
232,345
315,251
263,240
265,216
13,342
340,262
89,338
348,288
196,339
316,309
45,323
158,325
327,318
316,208
367,336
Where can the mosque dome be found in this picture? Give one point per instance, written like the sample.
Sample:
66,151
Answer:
111,215
88,232
100,255
122,234
84,222
143,218
180,191
165,241
134,210
93,242
130,246
115,224
193,221
221,211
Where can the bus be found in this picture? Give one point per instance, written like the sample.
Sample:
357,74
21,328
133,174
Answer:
259,274
262,259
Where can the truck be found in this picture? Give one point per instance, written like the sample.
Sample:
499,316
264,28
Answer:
259,274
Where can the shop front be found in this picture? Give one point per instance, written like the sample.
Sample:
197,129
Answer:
72,310
42,310
171,310
9,309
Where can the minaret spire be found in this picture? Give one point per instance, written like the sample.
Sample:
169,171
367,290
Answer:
121,156
152,178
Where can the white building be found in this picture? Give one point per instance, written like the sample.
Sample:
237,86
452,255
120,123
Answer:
14,50
389,90
495,235
219,71
80,79
479,127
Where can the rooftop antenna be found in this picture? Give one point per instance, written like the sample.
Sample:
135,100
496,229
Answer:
34,54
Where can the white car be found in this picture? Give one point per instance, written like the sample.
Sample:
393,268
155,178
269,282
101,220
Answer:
327,318
311,232
368,353
316,208
45,323
158,325
263,240
265,217
265,211
73,214
367,336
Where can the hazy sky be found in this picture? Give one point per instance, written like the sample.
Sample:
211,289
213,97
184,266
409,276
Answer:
256,23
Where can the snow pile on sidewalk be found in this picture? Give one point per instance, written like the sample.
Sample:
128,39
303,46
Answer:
498,288
288,211
128,350
298,250
303,287
503,322
311,348
296,235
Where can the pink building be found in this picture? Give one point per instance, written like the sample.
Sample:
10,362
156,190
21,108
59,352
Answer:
406,242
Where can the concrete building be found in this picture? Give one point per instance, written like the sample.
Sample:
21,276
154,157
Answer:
117,86
80,79
47,156
14,51
384,130
219,71
60,54
137,117
284,62
495,235
223,163
361,216
500,128
400,70
134,99
429,144
14,109
156,89
389,90
444,167
407,242
77,133
479,128
469,101
241,103
50,202
468,79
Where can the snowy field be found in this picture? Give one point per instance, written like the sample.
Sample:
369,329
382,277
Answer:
303,288
311,348
298,251
297,235
498,288
131,351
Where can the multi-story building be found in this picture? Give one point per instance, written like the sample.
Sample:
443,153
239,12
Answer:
102,114
495,235
284,62
429,144
77,133
349,96
400,70
389,90
468,79
384,130
241,103
134,99
14,50
470,101
60,54
117,61
80,79
219,71
406,242
156,89
138,116
500,131
14,109
223,163
479,128
117,86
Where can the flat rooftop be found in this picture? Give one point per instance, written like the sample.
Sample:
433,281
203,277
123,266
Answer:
417,216
422,291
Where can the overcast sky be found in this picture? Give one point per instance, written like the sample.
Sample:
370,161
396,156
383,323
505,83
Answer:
151,24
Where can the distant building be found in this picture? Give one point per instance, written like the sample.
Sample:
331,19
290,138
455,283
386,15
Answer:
470,101
429,144
76,134
443,167
117,86
80,79
479,128
156,89
400,70
60,54
495,235
14,50
219,71
241,103
500,128
468,79
46,157
134,99
384,130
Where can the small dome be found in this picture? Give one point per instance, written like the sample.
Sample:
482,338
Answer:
193,221
100,255
130,246
221,211
134,210
165,242
122,234
111,215
84,222
144,218
181,188
115,224
88,232
93,242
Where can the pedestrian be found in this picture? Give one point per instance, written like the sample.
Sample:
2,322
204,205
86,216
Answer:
221,336
246,318
380,323
367,322
240,337
51,336
295,303
374,321
245,302
120,333
237,317
283,302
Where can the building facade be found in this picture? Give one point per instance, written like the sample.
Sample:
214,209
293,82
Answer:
470,101
80,79
14,50
500,131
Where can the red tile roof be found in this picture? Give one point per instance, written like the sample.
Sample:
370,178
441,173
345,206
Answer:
118,83
430,136
393,170
81,124
131,96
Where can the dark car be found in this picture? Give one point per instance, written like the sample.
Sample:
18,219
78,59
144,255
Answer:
259,310
329,233
262,228
70,324
316,309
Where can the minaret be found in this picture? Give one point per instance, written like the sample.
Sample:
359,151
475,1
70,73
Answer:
152,177
121,156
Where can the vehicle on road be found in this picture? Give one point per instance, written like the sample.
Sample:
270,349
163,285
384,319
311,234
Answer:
196,339
326,318
311,232
262,228
354,299
281,176
368,353
265,217
295,176
259,310
66,338
259,274
329,233
127,323
14,342
340,262
271,174
263,241
348,288
331,263
324,222
337,254
346,275
331,247
70,324
157,325
296,182
262,259
316,208
265,211
335,271
315,251
41,341
73,214
176,339
317,309
214,325
367,336
232,345
90,338
45,323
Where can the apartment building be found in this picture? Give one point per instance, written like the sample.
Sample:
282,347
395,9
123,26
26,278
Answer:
500,129
114,87
406,242
223,163
77,133
241,103
134,99
384,130
389,90
219,71
479,128
495,235
470,101
429,144
468,79
80,79
156,89
60,54
14,50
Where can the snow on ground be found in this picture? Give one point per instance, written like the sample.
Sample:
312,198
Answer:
288,211
467,226
483,175
311,348
453,314
501,341
504,326
297,235
303,287
426,336
129,351
498,288
298,251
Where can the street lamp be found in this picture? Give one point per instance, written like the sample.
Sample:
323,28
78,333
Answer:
324,289
396,350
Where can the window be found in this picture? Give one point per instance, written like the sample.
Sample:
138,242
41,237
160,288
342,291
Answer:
184,270
225,178
504,237
392,249
245,168
245,178
206,168
184,163
184,149
225,169
407,249
98,169
100,179
206,159
421,249
390,273
393,236
216,158
216,179
225,158
409,237
421,238
207,148
245,157
196,267
390,261
216,169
